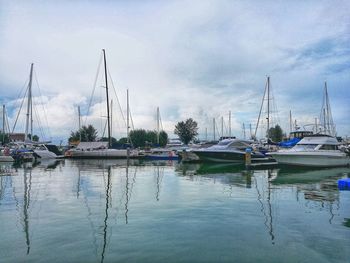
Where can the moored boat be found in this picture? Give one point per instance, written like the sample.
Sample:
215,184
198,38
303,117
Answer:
229,150
161,154
317,150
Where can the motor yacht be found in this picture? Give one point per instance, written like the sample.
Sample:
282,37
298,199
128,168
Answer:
229,150
314,150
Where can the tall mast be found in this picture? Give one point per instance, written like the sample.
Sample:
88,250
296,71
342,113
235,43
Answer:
158,125
268,108
111,117
244,135
106,81
222,126
229,123
29,119
79,122
214,127
3,124
261,107
290,121
127,116
250,129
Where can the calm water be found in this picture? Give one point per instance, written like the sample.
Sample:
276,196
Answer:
106,211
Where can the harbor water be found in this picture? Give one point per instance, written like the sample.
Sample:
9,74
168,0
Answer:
138,211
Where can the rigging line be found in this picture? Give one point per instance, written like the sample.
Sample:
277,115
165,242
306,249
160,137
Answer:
20,109
39,124
115,93
104,129
132,121
161,123
262,103
93,89
7,122
23,87
42,102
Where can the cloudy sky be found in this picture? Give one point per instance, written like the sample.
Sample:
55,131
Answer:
198,59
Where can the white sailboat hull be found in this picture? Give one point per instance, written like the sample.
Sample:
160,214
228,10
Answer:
312,158
5,158
45,154
103,153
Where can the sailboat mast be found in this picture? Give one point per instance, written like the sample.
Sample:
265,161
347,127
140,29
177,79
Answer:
106,81
79,122
261,107
3,124
290,121
158,125
222,126
214,127
29,119
127,116
268,108
229,123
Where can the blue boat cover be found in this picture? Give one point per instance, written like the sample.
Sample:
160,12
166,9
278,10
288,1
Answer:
289,143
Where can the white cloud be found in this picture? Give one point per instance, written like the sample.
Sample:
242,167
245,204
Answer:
192,59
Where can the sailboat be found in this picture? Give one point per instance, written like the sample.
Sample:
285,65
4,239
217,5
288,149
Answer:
161,153
102,149
39,150
318,150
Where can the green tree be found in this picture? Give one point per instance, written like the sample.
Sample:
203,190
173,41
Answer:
4,138
187,130
163,138
276,133
34,139
105,139
138,137
84,134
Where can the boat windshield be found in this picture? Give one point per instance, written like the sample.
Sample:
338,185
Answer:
329,147
224,142
239,145
305,147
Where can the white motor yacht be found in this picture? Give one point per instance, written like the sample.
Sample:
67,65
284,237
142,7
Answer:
100,150
316,150
229,150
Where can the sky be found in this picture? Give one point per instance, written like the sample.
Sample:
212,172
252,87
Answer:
192,59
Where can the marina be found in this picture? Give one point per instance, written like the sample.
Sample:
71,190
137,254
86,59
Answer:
93,210
175,131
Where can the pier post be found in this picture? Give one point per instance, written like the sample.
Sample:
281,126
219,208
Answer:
248,157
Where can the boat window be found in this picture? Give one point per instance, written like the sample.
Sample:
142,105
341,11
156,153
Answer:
224,142
305,147
329,147
239,145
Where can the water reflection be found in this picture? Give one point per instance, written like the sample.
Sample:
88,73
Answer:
27,178
318,186
228,174
88,171
118,207
159,178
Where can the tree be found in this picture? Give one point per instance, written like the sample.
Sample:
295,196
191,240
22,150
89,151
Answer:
4,138
35,137
163,138
141,137
84,134
138,137
187,130
105,139
276,133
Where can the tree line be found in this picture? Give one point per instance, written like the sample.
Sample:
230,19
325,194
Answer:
186,130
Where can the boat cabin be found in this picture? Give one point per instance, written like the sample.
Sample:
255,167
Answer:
317,143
